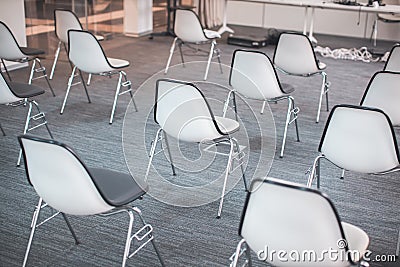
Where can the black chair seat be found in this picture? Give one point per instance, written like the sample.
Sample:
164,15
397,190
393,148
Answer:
24,90
29,51
287,88
117,188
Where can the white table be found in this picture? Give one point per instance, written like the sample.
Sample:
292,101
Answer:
388,9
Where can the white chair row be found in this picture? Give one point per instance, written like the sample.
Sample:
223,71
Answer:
10,50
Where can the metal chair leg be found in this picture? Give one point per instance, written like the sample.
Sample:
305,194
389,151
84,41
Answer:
263,107
288,115
1,128
32,72
241,165
342,176
70,81
213,43
70,229
116,97
5,68
218,57
314,170
171,52
323,91
33,228
228,168
180,52
295,120
169,153
398,246
130,90
84,86
128,238
45,75
152,152
55,60
43,118
151,236
28,118
248,256
89,79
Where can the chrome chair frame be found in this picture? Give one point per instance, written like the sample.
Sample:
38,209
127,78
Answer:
141,237
314,171
234,151
180,42
292,110
325,83
29,117
122,75
26,59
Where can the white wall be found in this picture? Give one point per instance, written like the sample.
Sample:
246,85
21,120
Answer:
334,22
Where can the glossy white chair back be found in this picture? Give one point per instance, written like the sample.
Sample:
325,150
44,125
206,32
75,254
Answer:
61,178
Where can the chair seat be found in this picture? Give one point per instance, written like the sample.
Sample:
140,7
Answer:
29,51
24,90
321,65
287,88
211,34
117,188
118,63
389,18
99,37
227,125
356,238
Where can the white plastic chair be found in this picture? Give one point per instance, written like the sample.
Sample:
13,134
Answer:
393,61
65,20
294,55
87,55
301,222
386,18
359,139
182,112
21,94
188,29
383,92
64,183
254,76
11,51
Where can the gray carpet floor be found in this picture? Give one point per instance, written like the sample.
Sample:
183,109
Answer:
185,236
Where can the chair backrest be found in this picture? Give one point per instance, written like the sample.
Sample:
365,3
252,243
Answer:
9,48
182,111
294,54
393,61
60,177
383,92
6,95
360,139
65,20
282,216
86,53
188,27
254,76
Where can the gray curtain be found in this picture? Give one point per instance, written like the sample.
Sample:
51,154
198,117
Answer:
210,12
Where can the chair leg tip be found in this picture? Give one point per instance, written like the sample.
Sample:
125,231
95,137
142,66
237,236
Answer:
218,217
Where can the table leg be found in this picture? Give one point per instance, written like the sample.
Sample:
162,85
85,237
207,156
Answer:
224,27
310,33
